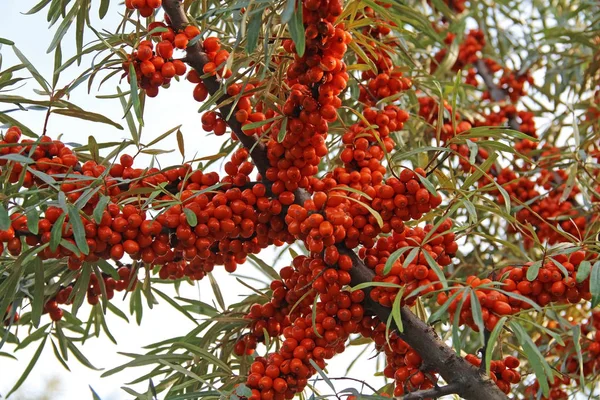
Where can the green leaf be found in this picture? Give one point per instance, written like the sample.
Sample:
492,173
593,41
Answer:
199,307
540,366
243,391
583,271
86,115
191,217
38,7
33,219
436,268
282,130
17,158
577,343
254,29
78,230
296,28
80,289
264,267
29,367
34,72
37,305
595,284
94,150
533,270
8,355
442,311
4,218
477,315
205,355
174,304
456,342
148,359
57,64
80,357
100,207
102,13
492,340
396,312
428,185
80,27
56,232
479,172
378,284
107,268
64,27
391,260
9,286
323,376
58,355
128,117
135,98
135,304
94,394
33,337
62,341
163,136
519,296
374,213
216,290
288,11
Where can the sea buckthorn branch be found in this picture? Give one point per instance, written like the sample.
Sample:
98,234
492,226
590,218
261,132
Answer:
197,59
434,393
464,378
468,381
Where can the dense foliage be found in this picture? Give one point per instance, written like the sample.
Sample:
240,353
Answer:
431,167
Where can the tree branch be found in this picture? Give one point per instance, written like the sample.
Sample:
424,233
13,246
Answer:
197,59
471,384
434,393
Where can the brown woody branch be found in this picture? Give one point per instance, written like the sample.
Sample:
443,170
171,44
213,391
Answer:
468,381
197,58
432,393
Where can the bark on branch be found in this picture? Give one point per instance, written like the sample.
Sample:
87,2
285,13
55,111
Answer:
432,393
457,372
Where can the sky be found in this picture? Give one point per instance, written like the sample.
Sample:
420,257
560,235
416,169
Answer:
172,107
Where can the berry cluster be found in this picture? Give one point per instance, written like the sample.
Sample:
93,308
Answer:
503,372
403,364
567,362
145,7
551,282
468,51
337,315
544,208
418,277
154,65
202,229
